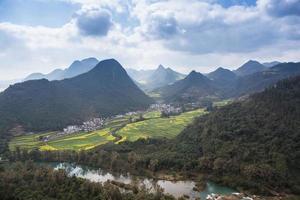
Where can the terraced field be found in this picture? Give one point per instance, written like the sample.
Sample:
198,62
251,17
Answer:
116,130
158,127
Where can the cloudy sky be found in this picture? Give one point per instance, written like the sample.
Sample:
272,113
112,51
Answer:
41,35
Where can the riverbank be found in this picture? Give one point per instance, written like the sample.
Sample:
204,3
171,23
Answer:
170,185
194,186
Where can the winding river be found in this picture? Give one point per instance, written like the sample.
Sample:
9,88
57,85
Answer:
175,188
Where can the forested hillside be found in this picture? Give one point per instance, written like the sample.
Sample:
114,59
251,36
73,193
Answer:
51,105
255,142
194,88
30,181
252,143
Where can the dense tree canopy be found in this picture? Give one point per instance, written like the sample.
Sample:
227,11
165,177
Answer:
30,181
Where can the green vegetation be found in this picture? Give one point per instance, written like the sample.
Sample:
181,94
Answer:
250,145
80,141
152,114
27,141
29,181
152,126
41,105
158,127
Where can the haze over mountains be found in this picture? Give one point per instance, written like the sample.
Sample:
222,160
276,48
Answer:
107,89
223,83
76,68
41,104
151,79
146,79
192,88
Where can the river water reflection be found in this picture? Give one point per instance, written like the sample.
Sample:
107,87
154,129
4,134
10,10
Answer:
175,188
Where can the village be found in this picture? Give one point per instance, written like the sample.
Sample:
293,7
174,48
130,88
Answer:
98,123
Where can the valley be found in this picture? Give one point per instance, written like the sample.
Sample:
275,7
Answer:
199,129
116,130
149,100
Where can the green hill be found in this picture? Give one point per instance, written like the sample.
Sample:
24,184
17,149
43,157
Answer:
193,88
50,105
253,143
248,144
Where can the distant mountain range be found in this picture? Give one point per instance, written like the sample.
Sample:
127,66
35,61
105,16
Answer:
140,76
50,105
271,64
151,79
260,80
107,89
76,68
193,88
146,79
223,83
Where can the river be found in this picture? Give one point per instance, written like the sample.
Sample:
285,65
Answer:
175,188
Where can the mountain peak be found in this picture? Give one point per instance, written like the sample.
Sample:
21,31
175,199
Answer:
220,69
252,62
161,67
109,68
90,59
109,63
220,72
250,67
193,75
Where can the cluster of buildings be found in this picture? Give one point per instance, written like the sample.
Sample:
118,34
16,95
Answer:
166,108
88,126
127,114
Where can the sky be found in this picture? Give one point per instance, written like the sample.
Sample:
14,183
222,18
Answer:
201,35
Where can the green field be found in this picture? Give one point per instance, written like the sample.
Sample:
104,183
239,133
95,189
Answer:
80,141
152,114
158,127
153,126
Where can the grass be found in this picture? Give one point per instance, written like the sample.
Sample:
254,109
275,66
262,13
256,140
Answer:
152,114
158,127
80,141
152,126
27,141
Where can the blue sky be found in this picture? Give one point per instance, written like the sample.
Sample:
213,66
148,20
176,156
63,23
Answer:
41,35
37,12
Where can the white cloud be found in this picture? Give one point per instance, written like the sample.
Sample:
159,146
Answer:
198,35
94,22
280,8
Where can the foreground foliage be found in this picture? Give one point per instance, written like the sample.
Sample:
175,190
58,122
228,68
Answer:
30,181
